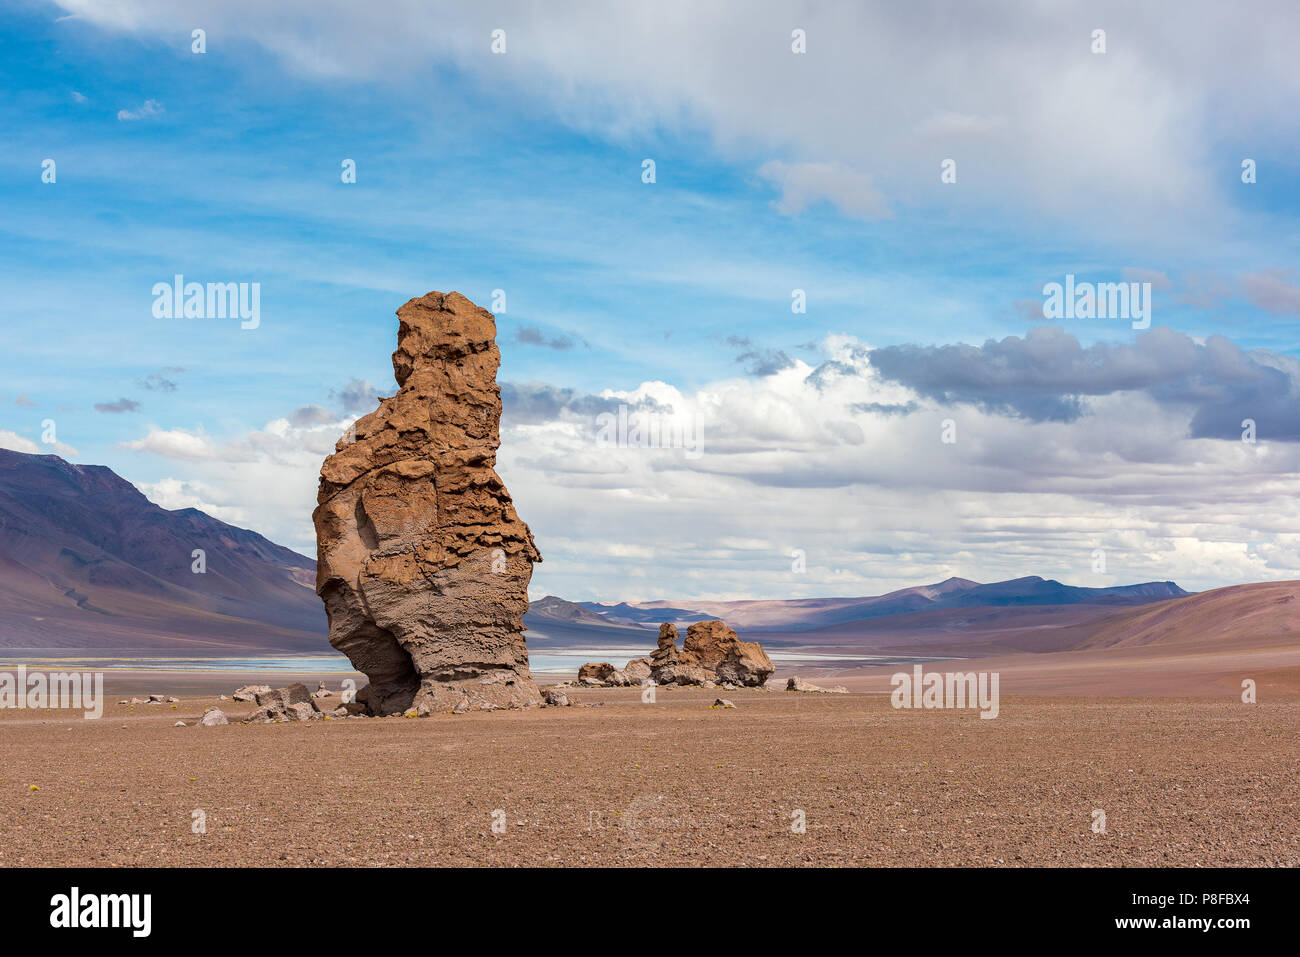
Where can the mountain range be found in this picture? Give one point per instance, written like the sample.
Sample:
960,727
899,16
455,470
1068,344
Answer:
88,563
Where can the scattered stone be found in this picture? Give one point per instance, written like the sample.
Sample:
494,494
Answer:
124,701
321,691
179,724
137,701
722,703
798,684
221,697
556,698
248,692
172,699
462,706
213,717
423,563
155,699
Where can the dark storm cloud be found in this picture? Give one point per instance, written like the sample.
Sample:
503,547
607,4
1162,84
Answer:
1046,375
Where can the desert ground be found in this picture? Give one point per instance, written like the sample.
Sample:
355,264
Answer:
1183,781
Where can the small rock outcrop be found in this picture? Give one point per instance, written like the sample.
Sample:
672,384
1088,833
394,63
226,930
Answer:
291,703
711,655
798,684
602,675
423,564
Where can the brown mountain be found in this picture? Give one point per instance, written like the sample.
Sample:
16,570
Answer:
87,562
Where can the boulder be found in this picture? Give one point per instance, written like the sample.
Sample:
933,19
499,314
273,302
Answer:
556,698
248,692
213,717
722,703
321,691
603,674
280,699
718,648
423,563
638,671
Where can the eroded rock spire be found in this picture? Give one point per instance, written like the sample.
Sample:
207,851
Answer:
423,564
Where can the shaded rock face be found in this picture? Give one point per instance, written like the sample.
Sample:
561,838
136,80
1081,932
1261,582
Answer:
423,564
711,653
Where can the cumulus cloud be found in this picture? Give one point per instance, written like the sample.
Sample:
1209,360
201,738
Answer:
16,443
174,444
847,465
763,362
1046,376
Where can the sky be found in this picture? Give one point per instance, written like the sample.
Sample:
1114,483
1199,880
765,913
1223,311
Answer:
914,178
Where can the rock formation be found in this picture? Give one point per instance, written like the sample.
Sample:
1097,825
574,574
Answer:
423,563
711,655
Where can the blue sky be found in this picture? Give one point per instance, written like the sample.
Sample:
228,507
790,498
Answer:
522,172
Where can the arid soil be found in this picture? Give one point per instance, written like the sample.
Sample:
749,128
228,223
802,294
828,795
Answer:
1182,782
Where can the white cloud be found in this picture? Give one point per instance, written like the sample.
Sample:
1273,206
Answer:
1120,140
16,443
174,444
147,108
804,184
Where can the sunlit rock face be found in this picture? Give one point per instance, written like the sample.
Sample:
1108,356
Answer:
423,564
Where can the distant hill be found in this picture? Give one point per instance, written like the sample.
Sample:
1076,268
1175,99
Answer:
557,609
802,614
1254,615
87,562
